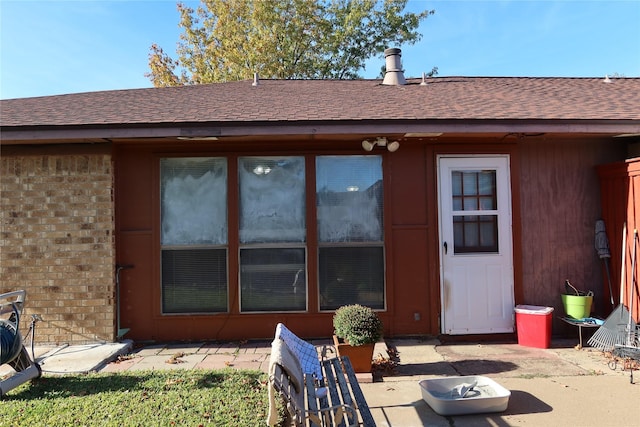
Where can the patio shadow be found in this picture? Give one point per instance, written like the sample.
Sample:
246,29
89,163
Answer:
458,367
520,403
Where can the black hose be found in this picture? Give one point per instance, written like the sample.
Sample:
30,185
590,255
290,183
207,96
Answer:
10,340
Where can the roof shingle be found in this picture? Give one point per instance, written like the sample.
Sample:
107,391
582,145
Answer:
442,98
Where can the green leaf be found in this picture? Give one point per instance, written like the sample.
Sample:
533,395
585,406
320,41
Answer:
226,40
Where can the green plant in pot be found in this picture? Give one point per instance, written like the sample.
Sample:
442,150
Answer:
356,330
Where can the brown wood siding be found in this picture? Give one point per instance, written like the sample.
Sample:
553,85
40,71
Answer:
559,205
620,188
408,256
555,196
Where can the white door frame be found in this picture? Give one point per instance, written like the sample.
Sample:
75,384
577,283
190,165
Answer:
477,295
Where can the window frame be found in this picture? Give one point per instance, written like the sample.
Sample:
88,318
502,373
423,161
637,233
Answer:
311,246
356,243
162,247
294,244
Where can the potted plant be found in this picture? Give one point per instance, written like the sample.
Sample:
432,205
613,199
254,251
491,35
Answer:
356,330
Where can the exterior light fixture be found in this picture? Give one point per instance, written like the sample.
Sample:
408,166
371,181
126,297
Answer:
380,142
368,146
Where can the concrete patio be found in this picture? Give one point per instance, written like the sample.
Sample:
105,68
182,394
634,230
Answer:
562,385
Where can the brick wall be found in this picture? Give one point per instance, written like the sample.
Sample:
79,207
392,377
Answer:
56,228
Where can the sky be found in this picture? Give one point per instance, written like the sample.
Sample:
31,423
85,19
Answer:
55,47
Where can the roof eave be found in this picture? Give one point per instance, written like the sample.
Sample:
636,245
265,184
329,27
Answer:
33,134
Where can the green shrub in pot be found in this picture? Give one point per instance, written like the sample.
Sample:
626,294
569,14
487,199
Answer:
357,324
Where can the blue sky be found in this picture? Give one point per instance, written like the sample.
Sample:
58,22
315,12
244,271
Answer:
53,47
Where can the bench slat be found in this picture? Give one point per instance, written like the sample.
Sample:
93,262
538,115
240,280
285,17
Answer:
287,390
333,398
311,399
363,406
345,394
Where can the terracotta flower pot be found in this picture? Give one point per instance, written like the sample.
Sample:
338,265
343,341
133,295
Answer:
361,356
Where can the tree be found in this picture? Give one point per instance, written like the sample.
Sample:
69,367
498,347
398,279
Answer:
226,40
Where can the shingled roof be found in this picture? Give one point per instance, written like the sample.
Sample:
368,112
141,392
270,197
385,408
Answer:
335,101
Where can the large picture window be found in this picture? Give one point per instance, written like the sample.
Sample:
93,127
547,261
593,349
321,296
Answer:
268,243
349,199
272,234
194,235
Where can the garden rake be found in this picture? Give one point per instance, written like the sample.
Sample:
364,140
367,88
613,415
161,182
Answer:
614,330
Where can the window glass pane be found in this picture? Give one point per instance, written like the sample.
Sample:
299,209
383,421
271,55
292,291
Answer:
457,203
272,199
469,183
488,233
473,190
487,183
350,275
193,201
487,203
273,279
475,234
470,203
194,281
456,183
349,198
471,238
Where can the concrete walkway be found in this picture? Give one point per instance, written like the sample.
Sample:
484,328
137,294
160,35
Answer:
559,386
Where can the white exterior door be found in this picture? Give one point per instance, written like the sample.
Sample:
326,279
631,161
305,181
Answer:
476,256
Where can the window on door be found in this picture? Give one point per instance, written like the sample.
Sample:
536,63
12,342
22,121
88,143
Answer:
194,235
474,191
349,199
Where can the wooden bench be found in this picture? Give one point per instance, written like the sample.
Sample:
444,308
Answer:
328,396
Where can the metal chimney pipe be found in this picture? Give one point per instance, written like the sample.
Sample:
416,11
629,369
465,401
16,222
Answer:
393,64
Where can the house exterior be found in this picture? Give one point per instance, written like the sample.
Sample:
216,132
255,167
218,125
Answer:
230,207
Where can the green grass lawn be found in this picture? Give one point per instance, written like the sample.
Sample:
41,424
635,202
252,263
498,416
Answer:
146,398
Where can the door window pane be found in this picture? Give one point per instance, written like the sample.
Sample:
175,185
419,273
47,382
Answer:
193,235
474,190
475,233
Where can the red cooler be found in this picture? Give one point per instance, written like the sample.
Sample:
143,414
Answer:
533,324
